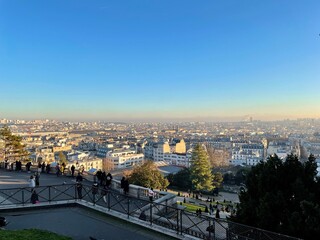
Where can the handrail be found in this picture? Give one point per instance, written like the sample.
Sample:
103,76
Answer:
162,214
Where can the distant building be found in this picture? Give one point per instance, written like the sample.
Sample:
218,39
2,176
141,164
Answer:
102,151
77,156
43,154
124,158
178,159
159,150
247,154
87,164
280,147
179,146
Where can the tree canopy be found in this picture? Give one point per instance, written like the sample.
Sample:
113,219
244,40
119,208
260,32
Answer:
282,197
181,179
62,158
217,157
12,148
200,170
147,175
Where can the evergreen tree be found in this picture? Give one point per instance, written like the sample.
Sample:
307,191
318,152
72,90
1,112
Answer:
147,175
12,147
217,179
282,197
200,170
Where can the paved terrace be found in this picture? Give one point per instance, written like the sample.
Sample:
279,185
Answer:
67,219
79,223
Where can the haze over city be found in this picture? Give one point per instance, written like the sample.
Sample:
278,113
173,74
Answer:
159,60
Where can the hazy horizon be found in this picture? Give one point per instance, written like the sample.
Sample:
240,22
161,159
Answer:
164,120
159,60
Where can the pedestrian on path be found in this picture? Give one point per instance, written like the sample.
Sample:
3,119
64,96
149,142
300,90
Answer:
73,168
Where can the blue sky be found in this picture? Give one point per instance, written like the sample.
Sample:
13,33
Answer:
183,60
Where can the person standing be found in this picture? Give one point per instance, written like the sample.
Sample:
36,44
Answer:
39,167
99,176
37,179
103,178
126,186
122,182
48,167
43,166
108,180
63,167
28,166
58,170
94,190
79,185
218,213
73,168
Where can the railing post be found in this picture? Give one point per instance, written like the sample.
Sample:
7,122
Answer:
209,228
178,223
151,205
49,194
166,205
128,207
23,196
214,225
108,200
181,212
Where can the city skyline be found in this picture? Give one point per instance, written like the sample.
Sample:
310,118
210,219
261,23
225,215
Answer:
159,60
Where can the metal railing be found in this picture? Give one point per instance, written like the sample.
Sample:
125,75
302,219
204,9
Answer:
153,213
